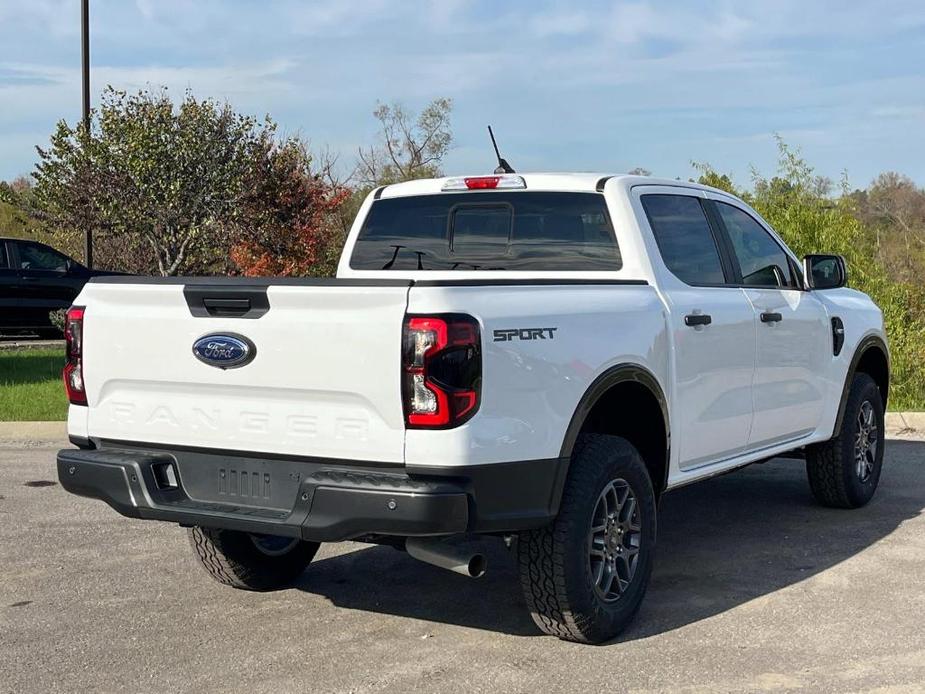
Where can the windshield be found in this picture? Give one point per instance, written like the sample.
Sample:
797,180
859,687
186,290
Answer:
488,231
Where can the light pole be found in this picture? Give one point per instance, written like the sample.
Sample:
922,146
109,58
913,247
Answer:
85,58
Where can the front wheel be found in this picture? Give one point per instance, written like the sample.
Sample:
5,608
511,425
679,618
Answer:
584,576
250,561
844,471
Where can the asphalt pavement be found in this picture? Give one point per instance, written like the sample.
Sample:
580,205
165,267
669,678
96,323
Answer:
755,589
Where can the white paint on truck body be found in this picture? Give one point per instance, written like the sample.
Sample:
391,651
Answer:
531,388
326,381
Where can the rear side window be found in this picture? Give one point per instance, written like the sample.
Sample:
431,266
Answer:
684,238
4,261
762,261
488,231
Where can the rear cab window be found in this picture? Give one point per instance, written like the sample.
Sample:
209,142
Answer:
522,230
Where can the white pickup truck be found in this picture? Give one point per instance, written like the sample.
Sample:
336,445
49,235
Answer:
535,357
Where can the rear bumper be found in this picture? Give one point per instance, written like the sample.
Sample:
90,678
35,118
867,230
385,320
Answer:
318,500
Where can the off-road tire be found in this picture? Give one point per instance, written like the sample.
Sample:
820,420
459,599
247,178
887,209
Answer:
832,466
234,559
555,571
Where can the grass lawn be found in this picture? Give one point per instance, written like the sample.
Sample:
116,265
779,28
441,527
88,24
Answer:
30,385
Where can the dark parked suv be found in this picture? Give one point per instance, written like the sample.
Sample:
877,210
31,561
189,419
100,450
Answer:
34,280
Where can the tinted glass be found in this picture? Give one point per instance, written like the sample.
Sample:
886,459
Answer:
4,261
33,256
762,260
488,231
483,229
684,238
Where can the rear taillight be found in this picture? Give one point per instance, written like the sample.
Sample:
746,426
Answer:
73,369
442,365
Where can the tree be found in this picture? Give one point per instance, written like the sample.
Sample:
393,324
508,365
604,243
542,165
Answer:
894,208
639,171
710,177
172,188
292,210
410,147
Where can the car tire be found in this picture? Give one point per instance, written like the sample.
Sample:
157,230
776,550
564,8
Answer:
844,471
605,531
248,561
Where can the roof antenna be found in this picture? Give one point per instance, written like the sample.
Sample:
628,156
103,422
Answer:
503,167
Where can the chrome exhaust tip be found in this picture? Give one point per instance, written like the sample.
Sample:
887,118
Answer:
437,552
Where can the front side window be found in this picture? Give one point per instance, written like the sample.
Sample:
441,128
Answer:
522,230
761,259
34,256
684,238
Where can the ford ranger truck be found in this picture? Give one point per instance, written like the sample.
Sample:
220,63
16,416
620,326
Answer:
535,357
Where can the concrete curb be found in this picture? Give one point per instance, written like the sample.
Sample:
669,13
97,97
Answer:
24,345
903,424
32,433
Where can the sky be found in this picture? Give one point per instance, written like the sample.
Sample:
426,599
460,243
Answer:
568,86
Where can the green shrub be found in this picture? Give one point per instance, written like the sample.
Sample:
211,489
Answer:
57,318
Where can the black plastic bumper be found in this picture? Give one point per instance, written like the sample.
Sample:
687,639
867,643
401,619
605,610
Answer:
319,500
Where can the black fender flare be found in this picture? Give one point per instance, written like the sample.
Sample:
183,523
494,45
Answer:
869,342
620,373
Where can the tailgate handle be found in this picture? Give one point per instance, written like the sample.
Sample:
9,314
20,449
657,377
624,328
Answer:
226,299
227,307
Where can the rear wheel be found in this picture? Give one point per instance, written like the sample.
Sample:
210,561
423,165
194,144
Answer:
584,576
250,561
844,471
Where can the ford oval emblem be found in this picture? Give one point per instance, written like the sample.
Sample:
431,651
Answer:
224,350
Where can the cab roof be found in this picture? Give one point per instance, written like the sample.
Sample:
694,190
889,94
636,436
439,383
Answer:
570,182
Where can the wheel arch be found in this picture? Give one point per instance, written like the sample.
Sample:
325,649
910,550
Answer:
628,389
871,357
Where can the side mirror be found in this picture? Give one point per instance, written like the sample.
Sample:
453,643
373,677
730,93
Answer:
824,271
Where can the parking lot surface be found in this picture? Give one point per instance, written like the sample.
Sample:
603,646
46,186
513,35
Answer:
755,589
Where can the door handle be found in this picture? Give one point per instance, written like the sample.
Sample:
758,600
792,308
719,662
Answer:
694,319
767,317
226,307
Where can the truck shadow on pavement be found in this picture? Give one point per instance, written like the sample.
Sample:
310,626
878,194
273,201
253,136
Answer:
722,543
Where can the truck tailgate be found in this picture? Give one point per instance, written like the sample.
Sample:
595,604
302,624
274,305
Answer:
325,380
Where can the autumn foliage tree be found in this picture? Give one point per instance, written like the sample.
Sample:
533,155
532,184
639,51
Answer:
188,188
291,209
